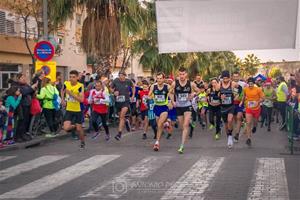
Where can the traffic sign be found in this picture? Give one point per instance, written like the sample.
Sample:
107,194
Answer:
49,69
44,51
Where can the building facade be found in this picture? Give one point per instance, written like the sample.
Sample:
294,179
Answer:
15,57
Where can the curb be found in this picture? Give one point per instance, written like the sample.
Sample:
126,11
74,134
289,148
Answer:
34,142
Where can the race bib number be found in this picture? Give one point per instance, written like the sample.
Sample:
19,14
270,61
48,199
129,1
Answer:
145,99
160,98
97,101
120,99
134,100
183,97
227,101
71,99
252,104
151,106
215,101
202,99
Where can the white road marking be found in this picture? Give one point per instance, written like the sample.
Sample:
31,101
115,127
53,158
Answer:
128,179
50,182
269,181
195,181
3,158
29,165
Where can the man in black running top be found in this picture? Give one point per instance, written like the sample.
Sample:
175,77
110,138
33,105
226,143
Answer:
227,105
183,90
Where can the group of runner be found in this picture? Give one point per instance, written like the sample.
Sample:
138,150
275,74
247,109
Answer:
226,101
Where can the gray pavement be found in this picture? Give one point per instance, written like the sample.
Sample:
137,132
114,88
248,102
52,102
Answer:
130,169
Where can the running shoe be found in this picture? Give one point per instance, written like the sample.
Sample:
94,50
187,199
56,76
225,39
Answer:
74,135
217,136
96,134
82,145
254,130
229,142
127,124
191,132
156,147
236,138
107,137
269,129
168,136
248,142
144,136
193,124
181,149
211,127
118,137
50,135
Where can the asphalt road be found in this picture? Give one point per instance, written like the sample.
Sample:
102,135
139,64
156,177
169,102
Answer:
130,169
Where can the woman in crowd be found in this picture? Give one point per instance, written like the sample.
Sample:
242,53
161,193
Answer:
47,95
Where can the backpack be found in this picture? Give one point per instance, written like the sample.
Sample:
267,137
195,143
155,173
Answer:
56,100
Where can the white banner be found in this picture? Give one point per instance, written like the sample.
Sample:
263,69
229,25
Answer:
221,25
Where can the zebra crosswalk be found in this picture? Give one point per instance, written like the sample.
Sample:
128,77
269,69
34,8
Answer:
269,179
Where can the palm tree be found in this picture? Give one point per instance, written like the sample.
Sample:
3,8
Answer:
106,24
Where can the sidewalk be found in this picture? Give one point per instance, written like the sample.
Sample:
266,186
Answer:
41,139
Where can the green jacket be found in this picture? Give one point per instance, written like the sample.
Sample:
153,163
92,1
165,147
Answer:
46,95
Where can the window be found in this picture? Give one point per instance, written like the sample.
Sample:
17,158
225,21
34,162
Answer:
7,71
78,19
10,27
2,22
60,41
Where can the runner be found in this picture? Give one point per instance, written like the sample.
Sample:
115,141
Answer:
198,81
133,105
142,103
227,106
73,91
253,96
268,103
99,99
238,110
120,88
160,92
183,91
202,105
214,106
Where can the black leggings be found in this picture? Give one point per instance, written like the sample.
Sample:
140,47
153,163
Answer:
266,115
215,112
282,109
95,120
50,118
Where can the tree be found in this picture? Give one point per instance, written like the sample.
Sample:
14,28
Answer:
275,72
24,9
106,26
249,65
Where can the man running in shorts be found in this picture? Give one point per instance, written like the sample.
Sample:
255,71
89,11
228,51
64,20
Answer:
238,110
72,95
160,92
214,107
253,97
227,106
183,90
120,87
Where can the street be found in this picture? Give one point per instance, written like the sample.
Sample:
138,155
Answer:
130,169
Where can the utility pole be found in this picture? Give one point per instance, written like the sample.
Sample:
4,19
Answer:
45,19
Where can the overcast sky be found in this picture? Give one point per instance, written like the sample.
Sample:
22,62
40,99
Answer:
279,54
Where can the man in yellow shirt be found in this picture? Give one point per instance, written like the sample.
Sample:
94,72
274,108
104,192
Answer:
72,95
253,96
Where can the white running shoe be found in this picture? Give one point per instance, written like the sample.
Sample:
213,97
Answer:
230,142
